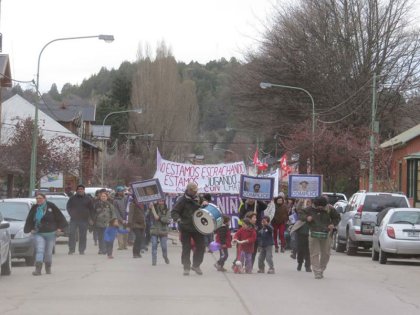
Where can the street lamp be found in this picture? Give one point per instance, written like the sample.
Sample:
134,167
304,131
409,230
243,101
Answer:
138,111
32,172
265,85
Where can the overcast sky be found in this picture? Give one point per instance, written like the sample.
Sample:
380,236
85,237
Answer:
199,30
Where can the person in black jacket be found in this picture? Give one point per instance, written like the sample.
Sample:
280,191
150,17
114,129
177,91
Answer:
44,221
182,213
80,208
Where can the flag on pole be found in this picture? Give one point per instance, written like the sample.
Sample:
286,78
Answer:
260,165
286,169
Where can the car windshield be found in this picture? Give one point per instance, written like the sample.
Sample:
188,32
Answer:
61,203
332,199
14,211
377,203
405,217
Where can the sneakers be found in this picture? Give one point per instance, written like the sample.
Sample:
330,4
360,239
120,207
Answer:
282,249
308,269
166,260
276,250
186,272
137,256
293,255
261,271
71,252
271,271
299,267
217,266
197,270
319,275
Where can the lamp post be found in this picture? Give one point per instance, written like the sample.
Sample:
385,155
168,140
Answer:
32,172
138,111
265,85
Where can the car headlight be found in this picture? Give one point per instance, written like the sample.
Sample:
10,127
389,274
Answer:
21,234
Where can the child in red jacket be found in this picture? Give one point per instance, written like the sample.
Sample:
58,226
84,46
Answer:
246,237
224,238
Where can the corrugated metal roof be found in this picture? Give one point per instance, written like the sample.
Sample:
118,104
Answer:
402,137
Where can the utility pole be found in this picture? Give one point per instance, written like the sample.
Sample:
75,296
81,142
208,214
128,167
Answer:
374,128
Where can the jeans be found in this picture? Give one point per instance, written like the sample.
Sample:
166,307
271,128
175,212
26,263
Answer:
82,226
198,254
224,254
266,253
44,245
303,249
163,239
109,247
101,243
138,241
246,259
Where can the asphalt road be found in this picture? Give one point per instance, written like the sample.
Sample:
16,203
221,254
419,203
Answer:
93,284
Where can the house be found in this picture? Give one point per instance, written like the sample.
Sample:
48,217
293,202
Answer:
77,115
17,108
6,172
405,163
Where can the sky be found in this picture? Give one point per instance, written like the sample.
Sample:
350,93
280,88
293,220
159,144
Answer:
199,30
196,30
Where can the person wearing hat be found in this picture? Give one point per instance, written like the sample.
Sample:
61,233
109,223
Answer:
182,213
120,205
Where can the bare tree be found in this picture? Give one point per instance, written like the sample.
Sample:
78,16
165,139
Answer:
170,108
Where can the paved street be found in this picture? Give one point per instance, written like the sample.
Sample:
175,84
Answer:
93,284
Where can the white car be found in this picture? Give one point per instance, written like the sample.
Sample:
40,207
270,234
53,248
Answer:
5,248
398,235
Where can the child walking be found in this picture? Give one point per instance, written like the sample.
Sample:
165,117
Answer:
246,237
110,234
224,238
265,246
159,229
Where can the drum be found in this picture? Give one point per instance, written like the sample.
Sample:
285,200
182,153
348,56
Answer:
208,219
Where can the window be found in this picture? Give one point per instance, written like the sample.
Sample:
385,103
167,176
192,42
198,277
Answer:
411,178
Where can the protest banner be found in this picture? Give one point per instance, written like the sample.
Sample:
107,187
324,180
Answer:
276,175
259,188
305,186
210,178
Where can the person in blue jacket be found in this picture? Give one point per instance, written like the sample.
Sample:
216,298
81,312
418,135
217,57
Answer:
110,234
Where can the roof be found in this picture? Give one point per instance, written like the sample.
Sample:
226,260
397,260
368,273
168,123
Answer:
403,137
6,77
68,109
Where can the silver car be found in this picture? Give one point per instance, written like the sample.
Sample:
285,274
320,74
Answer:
15,212
358,221
61,203
398,235
5,248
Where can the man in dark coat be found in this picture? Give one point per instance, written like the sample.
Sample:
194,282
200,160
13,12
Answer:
182,213
80,208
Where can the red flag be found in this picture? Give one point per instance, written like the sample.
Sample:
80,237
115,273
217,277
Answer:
286,169
256,160
261,166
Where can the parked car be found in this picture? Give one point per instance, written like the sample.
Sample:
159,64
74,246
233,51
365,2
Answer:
358,221
333,197
398,235
15,212
339,206
5,248
61,203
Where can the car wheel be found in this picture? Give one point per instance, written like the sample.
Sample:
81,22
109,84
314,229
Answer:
339,248
350,250
382,257
6,268
30,261
375,254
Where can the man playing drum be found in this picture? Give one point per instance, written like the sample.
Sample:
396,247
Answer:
182,213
